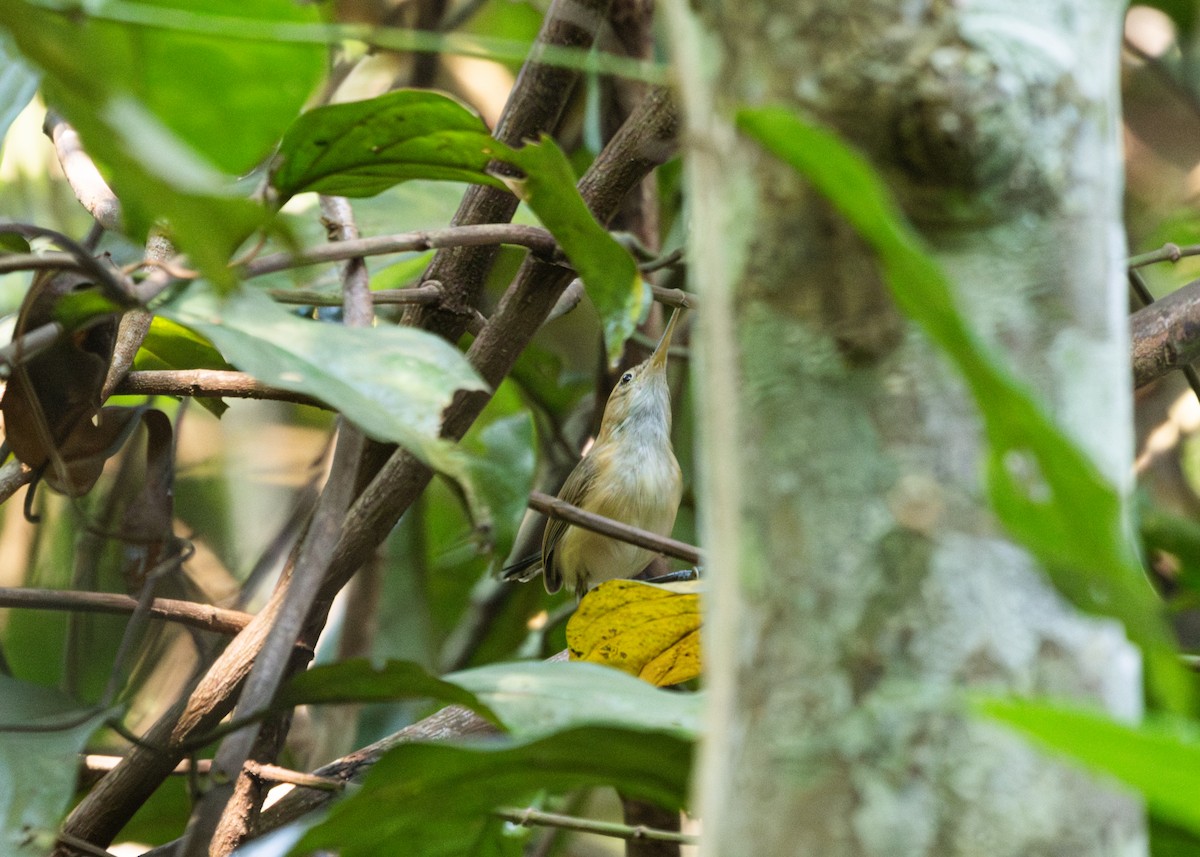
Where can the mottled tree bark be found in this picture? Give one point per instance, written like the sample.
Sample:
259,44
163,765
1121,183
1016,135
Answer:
859,580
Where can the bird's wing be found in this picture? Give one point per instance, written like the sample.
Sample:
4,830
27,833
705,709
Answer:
523,569
576,487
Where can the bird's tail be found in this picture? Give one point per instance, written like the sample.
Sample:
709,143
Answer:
523,569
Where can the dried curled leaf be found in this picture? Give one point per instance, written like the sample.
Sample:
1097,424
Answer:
650,631
52,403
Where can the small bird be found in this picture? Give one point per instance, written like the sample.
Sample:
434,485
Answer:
630,475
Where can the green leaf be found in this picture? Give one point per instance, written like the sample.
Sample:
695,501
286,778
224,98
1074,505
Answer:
1159,758
609,273
1177,536
11,242
1045,490
537,697
393,382
18,83
436,798
360,681
171,346
78,308
364,147
174,115
38,769
229,98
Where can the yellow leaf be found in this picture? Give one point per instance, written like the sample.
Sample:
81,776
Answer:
652,632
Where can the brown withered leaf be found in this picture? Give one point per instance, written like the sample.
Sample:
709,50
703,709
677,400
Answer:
647,630
51,405
147,531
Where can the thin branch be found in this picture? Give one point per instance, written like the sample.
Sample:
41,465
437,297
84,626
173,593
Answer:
1166,253
667,260
675,297
30,344
564,511
426,293
277,774
115,283
83,846
207,383
53,261
13,475
530,817
538,240
85,180
204,617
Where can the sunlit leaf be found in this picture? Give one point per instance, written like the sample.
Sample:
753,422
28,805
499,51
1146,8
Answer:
364,147
437,798
18,83
1045,490
536,697
650,631
1159,758
38,769
360,681
393,382
174,116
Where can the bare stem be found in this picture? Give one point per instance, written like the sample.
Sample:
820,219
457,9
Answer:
564,511
530,817
204,617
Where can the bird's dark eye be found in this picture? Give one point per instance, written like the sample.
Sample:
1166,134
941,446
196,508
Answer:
627,377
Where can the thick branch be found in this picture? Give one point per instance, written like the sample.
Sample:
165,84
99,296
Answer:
536,104
1166,334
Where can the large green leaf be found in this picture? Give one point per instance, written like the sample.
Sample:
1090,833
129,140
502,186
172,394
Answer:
18,83
1160,758
393,382
363,148
360,681
436,798
38,769
537,697
173,115
1045,490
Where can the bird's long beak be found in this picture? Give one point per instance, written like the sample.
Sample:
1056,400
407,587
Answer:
658,360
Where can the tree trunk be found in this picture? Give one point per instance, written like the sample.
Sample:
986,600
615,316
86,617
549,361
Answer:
858,578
